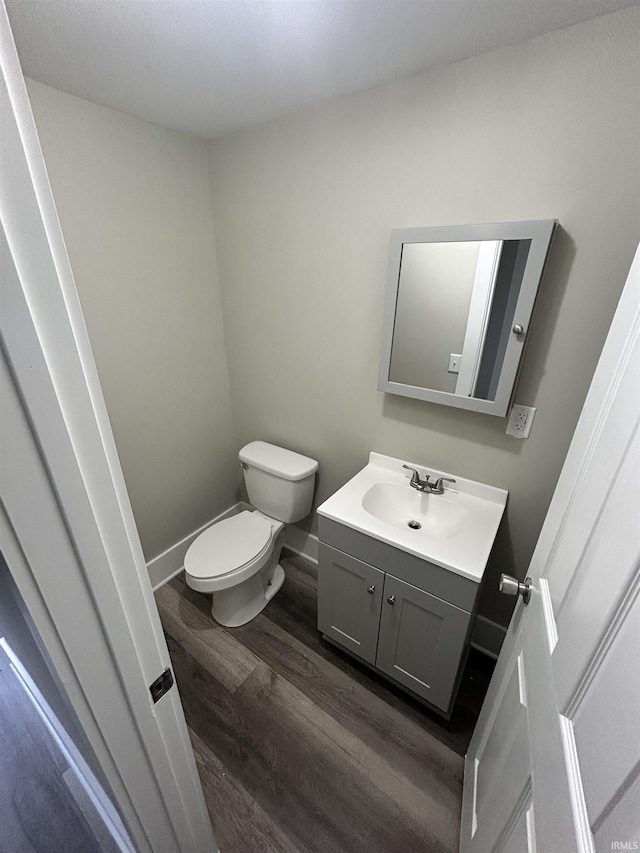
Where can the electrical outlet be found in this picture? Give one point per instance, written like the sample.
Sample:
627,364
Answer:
520,420
454,363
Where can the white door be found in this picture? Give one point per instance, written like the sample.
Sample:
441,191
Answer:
554,763
66,528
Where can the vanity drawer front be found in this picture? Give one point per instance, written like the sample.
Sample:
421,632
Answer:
441,582
349,602
421,641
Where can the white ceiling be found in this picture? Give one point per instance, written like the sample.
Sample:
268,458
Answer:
208,67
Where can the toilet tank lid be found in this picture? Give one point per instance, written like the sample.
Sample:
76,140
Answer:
276,460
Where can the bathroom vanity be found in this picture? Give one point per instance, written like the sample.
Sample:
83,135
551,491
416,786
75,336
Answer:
400,571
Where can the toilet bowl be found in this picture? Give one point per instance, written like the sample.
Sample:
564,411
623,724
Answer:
237,560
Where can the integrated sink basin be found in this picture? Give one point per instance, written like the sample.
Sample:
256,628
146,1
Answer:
455,529
434,516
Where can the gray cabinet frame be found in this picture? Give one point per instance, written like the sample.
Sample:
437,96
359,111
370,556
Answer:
420,641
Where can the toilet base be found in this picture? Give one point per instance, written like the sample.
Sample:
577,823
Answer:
240,604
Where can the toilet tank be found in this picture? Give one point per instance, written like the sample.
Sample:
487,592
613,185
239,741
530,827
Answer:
279,482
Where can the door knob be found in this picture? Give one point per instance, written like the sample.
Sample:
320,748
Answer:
371,589
391,599
517,329
511,586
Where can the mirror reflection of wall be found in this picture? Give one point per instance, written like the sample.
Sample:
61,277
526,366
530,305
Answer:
434,294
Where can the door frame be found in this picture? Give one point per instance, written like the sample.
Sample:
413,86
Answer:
66,526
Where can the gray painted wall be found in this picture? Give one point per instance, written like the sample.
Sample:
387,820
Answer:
134,204
304,207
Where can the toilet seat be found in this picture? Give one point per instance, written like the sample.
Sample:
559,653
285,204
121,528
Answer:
228,551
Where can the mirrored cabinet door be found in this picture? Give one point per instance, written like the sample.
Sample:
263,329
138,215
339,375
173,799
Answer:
458,305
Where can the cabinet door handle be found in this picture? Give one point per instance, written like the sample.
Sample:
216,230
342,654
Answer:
371,589
391,599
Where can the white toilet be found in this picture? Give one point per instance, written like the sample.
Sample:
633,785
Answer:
236,560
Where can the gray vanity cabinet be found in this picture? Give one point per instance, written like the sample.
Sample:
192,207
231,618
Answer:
349,609
421,640
408,618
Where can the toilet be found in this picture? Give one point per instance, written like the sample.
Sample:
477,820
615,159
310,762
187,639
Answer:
236,560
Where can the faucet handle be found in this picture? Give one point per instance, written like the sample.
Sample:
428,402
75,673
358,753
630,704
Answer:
415,477
438,488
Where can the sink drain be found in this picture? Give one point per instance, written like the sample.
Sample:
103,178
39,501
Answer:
414,525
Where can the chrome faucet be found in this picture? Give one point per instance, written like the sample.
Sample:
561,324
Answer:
426,485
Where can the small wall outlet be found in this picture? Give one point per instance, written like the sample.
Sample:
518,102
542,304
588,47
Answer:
520,420
454,363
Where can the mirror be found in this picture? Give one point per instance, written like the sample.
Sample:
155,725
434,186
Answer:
458,305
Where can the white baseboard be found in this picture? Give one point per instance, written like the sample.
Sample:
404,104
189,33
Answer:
487,636
171,562
303,543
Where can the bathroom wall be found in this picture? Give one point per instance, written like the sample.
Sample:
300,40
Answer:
134,204
303,210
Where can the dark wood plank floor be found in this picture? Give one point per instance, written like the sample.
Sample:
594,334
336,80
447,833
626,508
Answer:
299,747
38,813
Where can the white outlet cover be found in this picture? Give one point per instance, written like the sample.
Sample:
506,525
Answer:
520,420
454,363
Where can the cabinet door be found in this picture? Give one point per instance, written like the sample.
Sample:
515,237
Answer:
421,641
349,601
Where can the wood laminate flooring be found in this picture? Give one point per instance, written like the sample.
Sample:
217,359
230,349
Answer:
301,748
38,810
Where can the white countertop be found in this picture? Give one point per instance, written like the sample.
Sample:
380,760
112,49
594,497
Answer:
465,552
